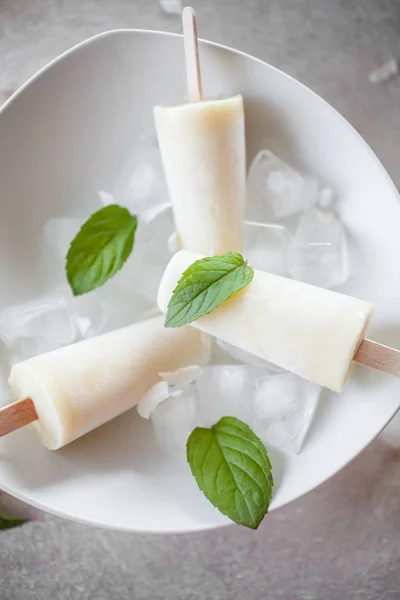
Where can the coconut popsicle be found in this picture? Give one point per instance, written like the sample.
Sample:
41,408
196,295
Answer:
310,331
203,152
79,387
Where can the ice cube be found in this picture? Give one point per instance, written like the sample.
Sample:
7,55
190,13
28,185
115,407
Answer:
172,7
325,197
58,234
318,253
266,246
245,357
140,182
143,270
275,190
283,408
131,294
174,420
50,322
225,390
36,327
88,313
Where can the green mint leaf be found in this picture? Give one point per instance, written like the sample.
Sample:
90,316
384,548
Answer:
204,285
100,248
232,469
7,522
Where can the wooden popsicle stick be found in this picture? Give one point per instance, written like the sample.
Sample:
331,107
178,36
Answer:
371,354
16,415
192,60
379,357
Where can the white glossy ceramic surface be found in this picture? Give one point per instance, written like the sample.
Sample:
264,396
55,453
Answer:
62,137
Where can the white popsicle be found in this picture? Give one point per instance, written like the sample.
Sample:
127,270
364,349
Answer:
202,147
309,331
79,387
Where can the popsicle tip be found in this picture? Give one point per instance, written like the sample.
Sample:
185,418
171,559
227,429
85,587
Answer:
192,60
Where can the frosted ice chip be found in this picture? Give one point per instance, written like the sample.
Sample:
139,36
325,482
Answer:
266,246
183,376
152,398
174,420
318,253
58,234
275,190
247,358
37,327
283,409
172,7
225,390
140,182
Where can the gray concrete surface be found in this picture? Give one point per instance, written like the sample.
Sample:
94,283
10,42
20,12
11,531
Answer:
340,542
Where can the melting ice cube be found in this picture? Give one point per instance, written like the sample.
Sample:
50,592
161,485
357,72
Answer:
50,322
266,246
143,270
140,183
132,292
87,313
226,391
283,408
318,253
275,190
36,327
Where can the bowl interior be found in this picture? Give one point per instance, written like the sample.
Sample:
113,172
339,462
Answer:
62,138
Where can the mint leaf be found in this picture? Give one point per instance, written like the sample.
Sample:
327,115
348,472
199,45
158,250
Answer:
232,469
7,522
204,285
100,248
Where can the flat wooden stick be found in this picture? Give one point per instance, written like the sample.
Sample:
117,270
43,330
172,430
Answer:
16,415
192,60
379,357
373,355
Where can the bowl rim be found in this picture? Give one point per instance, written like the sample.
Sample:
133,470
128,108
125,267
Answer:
203,42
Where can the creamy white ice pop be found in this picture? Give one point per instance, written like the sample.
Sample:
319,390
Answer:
79,387
309,331
203,152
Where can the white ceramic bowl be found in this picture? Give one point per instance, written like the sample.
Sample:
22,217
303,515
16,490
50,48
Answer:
62,137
